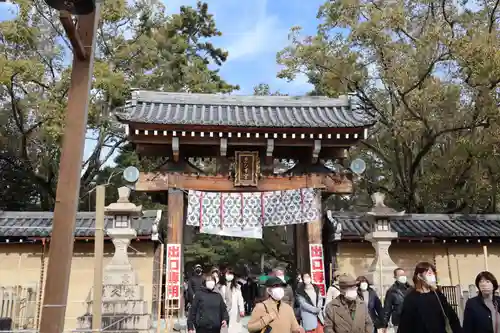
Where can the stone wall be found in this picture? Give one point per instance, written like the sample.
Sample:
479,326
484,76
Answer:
21,264
456,264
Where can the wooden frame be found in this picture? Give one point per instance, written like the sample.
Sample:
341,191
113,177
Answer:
246,168
163,181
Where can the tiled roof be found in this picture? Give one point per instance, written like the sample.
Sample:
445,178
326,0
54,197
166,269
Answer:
250,111
38,224
426,226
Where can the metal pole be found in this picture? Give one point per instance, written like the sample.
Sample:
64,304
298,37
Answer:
68,186
98,256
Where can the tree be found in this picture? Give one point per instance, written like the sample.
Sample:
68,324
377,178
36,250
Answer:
263,89
138,46
429,72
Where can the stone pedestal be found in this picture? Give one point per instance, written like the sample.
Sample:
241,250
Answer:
380,273
119,270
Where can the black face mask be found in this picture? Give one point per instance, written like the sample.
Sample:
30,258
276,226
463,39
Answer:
197,271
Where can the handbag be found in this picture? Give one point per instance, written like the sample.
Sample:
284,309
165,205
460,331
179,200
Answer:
447,325
268,328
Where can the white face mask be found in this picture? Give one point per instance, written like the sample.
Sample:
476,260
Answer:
402,279
430,279
351,294
277,293
363,286
229,277
210,284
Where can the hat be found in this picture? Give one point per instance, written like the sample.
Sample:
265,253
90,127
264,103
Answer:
346,281
274,281
197,266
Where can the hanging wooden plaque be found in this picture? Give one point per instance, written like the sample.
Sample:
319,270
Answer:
246,168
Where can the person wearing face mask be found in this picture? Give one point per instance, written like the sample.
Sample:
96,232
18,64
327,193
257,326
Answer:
425,308
310,305
274,315
289,294
195,283
482,312
347,313
394,297
208,313
372,302
333,291
231,293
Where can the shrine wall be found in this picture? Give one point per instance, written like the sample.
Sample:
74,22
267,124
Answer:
22,267
457,264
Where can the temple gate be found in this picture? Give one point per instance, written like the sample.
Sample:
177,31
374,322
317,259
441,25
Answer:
246,138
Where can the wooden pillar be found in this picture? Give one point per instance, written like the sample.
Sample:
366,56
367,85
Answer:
68,186
301,248
175,229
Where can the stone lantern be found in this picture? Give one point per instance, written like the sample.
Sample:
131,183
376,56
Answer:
119,271
124,308
381,270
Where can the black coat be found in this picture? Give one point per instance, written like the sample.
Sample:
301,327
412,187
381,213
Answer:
195,283
207,311
393,303
477,316
423,313
374,308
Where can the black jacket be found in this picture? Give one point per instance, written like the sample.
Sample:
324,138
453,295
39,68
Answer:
374,308
393,303
207,311
477,316
195,283
423,313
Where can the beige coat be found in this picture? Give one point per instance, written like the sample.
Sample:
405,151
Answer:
285,321
338,318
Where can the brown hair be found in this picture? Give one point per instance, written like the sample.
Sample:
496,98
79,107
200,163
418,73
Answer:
488,277
362,278
420,269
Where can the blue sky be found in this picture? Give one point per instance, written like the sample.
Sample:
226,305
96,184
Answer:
253,32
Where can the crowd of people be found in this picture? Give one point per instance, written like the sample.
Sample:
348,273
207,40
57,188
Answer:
218,302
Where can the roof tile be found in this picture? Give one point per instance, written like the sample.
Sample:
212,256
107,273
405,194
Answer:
426,225
249,111
39,224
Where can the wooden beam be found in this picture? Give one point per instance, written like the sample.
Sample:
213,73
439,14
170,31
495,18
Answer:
73,35
158,181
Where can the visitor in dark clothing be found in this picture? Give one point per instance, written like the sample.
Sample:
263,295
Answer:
250,292
425,309
482,312
372,301
394,297
208,313
195,283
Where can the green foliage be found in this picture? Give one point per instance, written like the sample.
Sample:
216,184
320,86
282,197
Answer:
138,46
263,89
429,72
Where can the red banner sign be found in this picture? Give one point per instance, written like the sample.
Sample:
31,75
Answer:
173,275
318,267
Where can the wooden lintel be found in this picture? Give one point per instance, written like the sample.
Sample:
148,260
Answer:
161,181
73,36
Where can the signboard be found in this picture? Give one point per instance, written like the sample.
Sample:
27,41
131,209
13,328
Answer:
317,267
246,168
173,276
